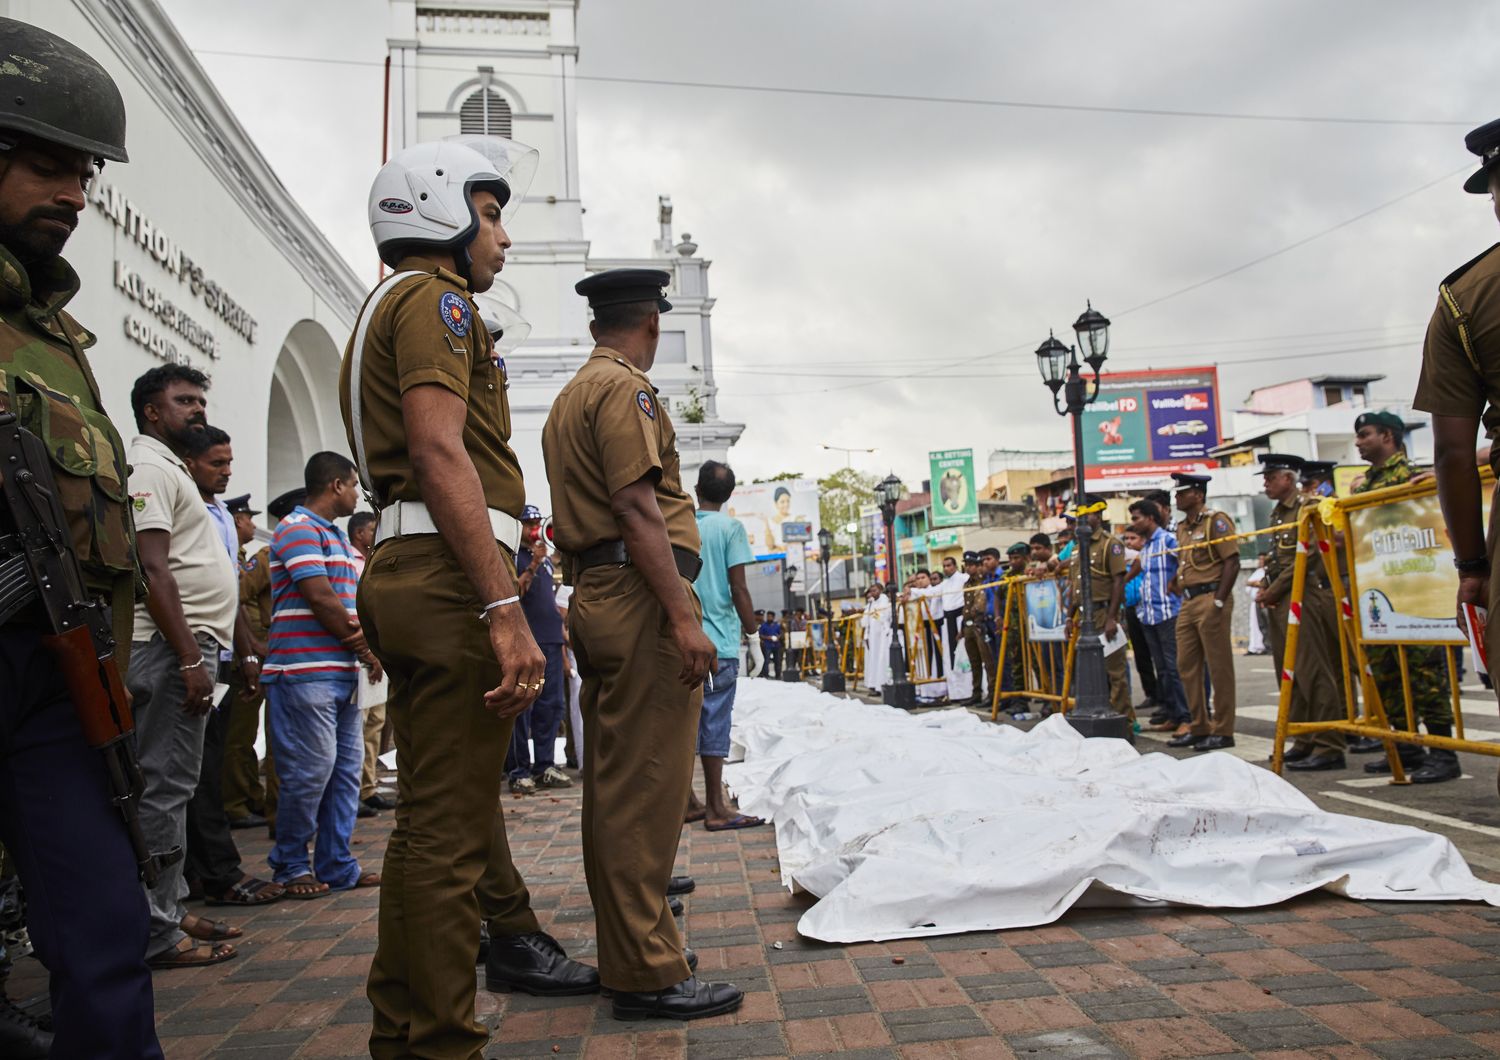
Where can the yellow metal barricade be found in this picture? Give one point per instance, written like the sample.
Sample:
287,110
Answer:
922,634
851,646
1040,680
1321,533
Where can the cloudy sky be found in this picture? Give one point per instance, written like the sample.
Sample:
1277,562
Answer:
884,267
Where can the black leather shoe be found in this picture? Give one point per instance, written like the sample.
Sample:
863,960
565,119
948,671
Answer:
1364,745
1320,761
250,820
22,1036
688,1000
379,802
681,885
1296,754
1440,766
687,955
364,811
1409,762
1214,743
536,964
1187,739
674,904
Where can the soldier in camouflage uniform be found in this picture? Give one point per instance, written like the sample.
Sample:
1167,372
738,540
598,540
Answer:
1380,437
1013,666
976,642
1317,694
61,116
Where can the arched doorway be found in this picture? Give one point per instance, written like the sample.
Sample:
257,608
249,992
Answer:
303,415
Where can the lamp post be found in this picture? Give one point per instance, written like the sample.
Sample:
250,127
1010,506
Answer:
900,692
1061,371
789,671
833,676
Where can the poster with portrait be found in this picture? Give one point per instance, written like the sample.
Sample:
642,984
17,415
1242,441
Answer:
1403,569
954,500
1046,619
765,509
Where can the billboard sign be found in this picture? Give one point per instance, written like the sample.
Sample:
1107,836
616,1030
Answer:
1150,424
954,500
768,510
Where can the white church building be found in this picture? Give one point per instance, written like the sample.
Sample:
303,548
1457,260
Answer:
508,68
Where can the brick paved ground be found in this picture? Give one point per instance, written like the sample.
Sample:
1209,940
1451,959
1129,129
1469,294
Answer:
1320,976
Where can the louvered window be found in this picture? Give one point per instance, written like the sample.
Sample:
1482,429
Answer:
485,113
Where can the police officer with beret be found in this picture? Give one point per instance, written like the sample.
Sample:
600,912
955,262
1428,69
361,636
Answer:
1208,565
629,541
423,393
61,117
1317,694
1460,387
1380,437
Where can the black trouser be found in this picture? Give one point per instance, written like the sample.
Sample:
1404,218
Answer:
1141,648
212,858
773,659
85,908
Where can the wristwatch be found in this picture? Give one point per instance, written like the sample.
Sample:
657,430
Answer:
250,658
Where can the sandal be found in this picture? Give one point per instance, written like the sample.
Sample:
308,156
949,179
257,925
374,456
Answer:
306,887
739,820
194,956
368,879
249,891
206,930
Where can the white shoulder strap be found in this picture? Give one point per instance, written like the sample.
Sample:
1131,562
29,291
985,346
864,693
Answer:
356,379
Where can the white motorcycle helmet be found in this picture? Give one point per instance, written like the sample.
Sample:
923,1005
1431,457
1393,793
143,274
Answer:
421,196
508,328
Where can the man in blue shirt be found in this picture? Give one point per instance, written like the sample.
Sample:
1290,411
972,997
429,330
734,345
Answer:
1157,609
770,644
532,759
727,615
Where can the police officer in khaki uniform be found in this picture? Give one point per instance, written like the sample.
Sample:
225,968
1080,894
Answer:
1107,584
1208,565
629,542
423,396
1317,694
244,795
61,117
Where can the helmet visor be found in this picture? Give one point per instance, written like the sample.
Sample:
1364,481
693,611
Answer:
508,328
515,162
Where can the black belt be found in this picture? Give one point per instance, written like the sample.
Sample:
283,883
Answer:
614,553
1198,590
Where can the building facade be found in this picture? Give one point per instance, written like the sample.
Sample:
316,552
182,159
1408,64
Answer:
508,68
193,252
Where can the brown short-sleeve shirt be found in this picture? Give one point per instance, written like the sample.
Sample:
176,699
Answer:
426,330
1199,565
1450,385
1107,558
606,430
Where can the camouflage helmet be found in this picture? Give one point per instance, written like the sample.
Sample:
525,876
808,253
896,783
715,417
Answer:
55,91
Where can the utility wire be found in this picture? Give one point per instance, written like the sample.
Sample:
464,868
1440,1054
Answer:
888,97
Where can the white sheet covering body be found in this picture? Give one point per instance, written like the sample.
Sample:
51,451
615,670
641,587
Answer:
911,825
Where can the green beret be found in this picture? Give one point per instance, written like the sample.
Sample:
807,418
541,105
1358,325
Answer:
1018,547
1389,420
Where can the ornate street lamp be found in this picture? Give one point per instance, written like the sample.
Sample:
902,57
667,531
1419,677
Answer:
833,676
1071,394
900,692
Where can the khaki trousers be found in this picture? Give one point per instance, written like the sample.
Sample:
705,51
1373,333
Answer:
1116,668
369,778
981,659
448,860
640,729
1203,641
243,792
1317,694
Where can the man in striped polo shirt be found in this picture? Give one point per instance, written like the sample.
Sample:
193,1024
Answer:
311,676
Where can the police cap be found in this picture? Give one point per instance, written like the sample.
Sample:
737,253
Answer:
1484,142
282,506
531,514
1281,462
623,286
241,505
1389,420
970,558
1018,548
1316,470
1191,482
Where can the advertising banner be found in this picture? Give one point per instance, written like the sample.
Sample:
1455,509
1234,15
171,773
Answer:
1151,424
1403,571
954,499
764,508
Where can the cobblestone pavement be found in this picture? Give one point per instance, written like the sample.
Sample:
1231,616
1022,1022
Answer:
1319,976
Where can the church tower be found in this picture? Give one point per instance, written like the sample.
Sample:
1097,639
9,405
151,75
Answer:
508,68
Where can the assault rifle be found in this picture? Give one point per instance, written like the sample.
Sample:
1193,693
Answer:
38,570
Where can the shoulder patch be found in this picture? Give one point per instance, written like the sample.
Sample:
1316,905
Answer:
138,501
454,310
1116,549
1221,525
648,406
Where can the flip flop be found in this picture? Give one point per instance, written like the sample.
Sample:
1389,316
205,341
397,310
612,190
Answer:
206,930
739,820
193,956
319,889
368,879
